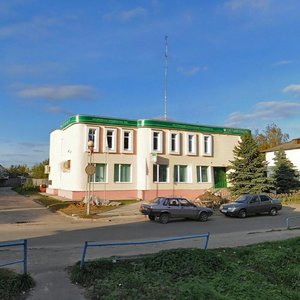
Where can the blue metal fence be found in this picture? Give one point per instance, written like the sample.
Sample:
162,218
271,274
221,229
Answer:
96,244
24,260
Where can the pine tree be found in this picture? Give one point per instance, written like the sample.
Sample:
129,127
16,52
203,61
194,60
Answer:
249,168
284,174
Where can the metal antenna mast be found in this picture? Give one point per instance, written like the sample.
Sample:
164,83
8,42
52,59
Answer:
166,76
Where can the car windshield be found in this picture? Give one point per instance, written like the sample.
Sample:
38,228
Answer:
158,200
243,199
184,202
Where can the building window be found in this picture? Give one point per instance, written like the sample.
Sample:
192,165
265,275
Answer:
157,141
202,174
110,140
93,135
127,140
207,145
122,173
190,144
180,173
174,138
100,175
160,173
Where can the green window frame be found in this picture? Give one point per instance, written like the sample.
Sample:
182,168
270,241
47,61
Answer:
100,175
202,174
181,173
160,173
122,173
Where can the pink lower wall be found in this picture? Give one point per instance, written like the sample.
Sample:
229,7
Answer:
128,194
52,191
189,194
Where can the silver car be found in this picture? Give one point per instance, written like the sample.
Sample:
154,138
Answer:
164,208
250,204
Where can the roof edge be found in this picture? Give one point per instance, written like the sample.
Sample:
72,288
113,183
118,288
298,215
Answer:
151,123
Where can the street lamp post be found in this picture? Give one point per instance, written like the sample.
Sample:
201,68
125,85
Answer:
90,170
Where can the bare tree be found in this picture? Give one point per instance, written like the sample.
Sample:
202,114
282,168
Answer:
270,137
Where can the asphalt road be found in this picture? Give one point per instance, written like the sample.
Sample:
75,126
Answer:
56,241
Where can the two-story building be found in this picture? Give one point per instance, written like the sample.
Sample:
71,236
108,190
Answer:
138,158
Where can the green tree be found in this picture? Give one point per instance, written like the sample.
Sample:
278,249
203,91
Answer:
284,174
38,170
3,173
249,168
270,137
18,170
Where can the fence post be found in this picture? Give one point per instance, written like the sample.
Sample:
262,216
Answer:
83,254
206,242
25,257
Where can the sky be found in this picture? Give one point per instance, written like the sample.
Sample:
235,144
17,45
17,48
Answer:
233,63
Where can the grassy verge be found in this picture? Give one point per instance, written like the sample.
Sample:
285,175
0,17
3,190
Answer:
26,191
13,285
263,271
77,208
289,198
69,207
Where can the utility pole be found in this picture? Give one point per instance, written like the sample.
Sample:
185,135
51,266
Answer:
166,76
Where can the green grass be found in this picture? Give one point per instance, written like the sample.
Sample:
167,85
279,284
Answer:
26,191
289,198
47,201
263,271
76,208
126,201
13,285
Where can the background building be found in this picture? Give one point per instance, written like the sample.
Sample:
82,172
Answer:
291,149
139,158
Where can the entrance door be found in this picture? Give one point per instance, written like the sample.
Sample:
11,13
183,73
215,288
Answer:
220,177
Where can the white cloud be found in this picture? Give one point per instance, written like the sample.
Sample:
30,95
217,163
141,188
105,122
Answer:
191,71
126,15
23,152
270,110
293,88
58,110
37,26
133,13
26,69
281,63
57,92
236,5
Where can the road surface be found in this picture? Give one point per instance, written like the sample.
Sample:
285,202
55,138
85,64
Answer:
56,241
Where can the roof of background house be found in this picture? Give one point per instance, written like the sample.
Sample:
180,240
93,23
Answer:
293,144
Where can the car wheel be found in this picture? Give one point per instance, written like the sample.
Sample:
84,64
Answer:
203,217
273,211
164,218
152,218
242,213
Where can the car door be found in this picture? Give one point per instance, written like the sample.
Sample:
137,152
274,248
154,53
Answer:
254,206
174,208
188,210
265,203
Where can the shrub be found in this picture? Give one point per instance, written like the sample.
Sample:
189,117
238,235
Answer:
12,285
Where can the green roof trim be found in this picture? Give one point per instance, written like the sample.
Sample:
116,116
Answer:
191,127
151,123
98,120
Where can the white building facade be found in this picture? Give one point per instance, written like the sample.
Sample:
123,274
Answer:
292,151
138,158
